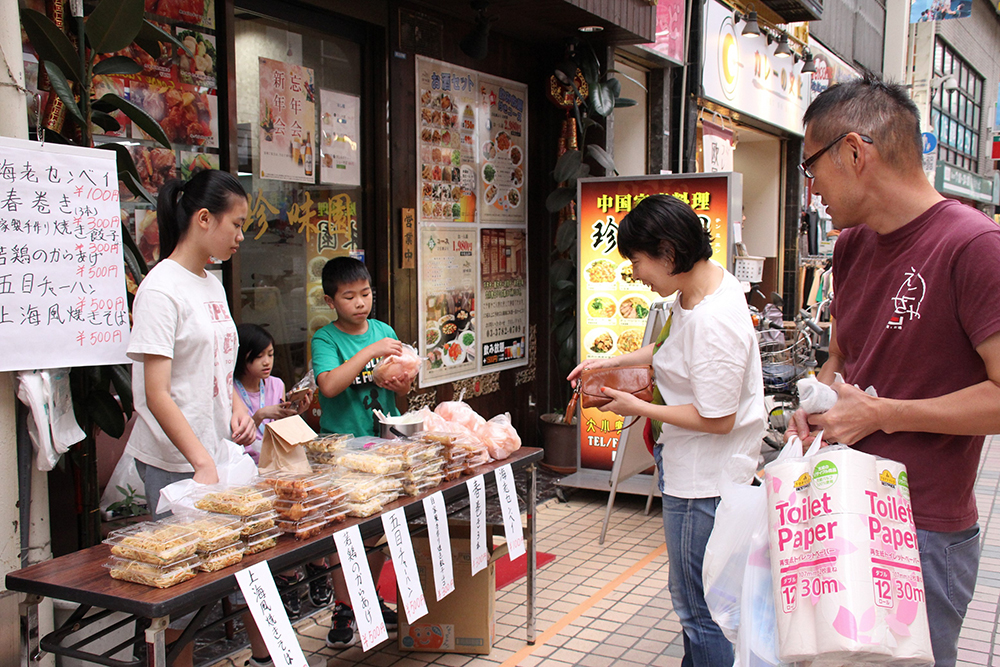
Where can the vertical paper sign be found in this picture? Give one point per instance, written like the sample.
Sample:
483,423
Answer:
411,593
268,612
440,543
360,586
62,276
339,138
477,512
511,512
287,121
503,136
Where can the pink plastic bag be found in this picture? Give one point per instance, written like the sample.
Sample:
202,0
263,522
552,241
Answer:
405,365
460,413
499,436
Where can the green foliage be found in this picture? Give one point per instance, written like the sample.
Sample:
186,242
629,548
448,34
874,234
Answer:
128,506
114,24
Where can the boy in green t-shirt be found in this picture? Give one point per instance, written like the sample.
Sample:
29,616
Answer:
344,355
345,352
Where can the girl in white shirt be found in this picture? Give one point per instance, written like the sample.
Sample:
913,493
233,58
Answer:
708,412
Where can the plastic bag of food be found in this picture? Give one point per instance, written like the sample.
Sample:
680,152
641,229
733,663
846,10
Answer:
432,420
405,365
460,413
499,436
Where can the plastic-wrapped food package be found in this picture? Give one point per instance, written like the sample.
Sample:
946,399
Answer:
371,461
297,510
404,365
295,485
265,539
238,500
259,522
215,531
460,413
222,558
500,437
361,487
147,574
154,542
306,528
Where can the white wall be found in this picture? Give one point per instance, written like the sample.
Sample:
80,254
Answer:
631,124
758,158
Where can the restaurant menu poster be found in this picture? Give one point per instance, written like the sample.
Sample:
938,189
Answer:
612,305
339,138
287,122
450,276
446,142
62,273
504,302
503,136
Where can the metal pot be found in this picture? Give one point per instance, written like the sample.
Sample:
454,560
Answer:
402,430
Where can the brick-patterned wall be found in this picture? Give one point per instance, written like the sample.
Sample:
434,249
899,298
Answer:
977,40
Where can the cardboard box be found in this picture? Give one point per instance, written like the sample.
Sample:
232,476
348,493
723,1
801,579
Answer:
463,622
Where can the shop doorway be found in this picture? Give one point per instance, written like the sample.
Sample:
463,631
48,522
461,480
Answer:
758,156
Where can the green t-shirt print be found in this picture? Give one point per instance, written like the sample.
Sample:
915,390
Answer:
351,410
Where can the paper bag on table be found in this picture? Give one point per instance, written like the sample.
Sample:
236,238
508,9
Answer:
280,448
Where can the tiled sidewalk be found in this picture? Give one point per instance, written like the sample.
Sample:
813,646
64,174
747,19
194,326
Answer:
609,605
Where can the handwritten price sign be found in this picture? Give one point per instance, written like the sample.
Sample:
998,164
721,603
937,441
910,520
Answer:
411,593
511,511
62,276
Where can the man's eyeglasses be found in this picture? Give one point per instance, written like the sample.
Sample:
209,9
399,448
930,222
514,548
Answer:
805,165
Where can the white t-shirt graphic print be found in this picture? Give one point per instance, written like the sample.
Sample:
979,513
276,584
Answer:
186,317
711,360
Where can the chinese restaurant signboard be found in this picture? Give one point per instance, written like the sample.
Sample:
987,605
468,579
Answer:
472,222
611,306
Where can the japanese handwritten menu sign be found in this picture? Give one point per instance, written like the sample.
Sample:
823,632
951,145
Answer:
471,175
440,543
62,276
477,530
287,122
612,305
511,512
360,586
411,593
265,606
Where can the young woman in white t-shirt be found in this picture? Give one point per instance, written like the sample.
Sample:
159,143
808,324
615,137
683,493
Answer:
708,410
184,344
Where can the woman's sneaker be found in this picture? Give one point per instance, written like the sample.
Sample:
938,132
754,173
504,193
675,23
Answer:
289,598
342,627
320,592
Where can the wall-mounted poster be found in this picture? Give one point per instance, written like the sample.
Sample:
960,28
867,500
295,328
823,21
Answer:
448,292
199,67
612,307
446,142
186,115
503,306
339,138
197,12
287,122
503,136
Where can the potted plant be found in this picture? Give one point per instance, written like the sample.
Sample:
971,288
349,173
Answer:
587,96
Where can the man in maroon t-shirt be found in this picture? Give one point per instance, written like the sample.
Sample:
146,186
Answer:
917,317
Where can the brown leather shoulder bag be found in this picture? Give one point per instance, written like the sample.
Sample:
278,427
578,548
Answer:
635,380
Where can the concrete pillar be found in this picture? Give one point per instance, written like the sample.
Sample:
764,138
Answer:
14,123
897,28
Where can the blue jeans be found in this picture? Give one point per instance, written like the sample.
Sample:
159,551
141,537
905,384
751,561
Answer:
687,523
950,564
155,479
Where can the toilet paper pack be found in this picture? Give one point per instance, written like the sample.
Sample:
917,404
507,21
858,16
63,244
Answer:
845,561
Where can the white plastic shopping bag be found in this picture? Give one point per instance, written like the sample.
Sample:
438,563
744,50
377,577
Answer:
234,466
845,563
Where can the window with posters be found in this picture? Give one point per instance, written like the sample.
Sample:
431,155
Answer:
612,306
299,157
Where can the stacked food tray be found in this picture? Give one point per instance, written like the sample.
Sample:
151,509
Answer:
255,508
160,554
303,501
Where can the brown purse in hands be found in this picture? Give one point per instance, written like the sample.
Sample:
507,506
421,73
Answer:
635,380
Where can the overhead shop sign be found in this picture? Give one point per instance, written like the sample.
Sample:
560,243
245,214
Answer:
957,182
743,74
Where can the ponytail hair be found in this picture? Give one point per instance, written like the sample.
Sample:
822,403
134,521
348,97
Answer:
179,200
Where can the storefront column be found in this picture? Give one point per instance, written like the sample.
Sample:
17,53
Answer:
14,123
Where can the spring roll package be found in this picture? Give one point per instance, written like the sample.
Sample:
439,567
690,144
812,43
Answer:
845,562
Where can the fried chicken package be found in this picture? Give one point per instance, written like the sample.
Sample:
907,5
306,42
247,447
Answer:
499,436
406,364
459,412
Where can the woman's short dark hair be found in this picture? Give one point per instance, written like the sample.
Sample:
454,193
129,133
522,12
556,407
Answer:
342,270
178,200
666,228
254,340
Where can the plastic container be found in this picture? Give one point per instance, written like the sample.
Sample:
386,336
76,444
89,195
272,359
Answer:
266,539
295,485
154,542
251,525
371,461
296,510
215,531
236,500
337,513
155,576
330,442
371,506
428,469
414,452
222,558
361,487
304,529
417,487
